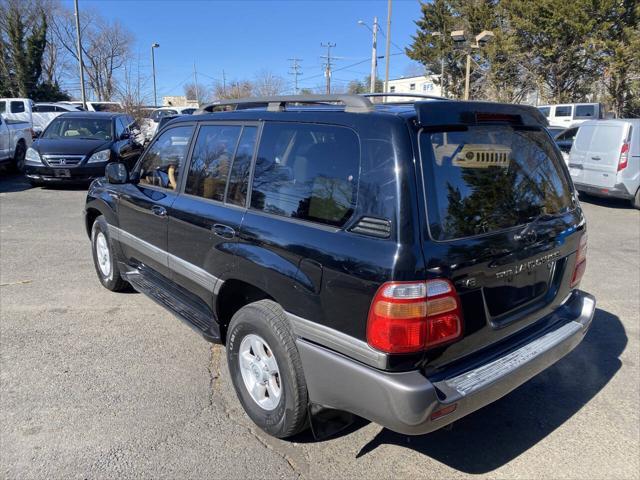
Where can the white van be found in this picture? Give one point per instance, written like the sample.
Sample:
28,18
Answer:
571,114
605,159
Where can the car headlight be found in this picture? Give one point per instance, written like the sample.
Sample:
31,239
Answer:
32,157
101,156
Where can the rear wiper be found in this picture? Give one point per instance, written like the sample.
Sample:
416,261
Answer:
531,222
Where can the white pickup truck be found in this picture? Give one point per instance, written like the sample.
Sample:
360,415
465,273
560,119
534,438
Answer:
15,138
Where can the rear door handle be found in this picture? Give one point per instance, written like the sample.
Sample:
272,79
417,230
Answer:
223,231
596,158
159,211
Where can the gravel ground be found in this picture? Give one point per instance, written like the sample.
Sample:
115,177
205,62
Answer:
95,384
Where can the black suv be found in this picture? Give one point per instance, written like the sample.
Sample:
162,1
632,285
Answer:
405,262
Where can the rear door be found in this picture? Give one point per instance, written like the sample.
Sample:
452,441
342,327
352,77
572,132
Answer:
501,225
600,164
205,219
579,151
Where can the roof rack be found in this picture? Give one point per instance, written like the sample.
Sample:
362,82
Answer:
400,94
352,103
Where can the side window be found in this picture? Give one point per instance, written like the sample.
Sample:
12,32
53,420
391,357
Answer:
163,161
17,107
545,111
44,108
307,171
563,111
211,161
239,177
3,107
585,111
569,134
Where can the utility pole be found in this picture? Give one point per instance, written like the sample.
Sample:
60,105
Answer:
79,42
327,71
467,75
195,83
387,49
374,55
224,83
295,70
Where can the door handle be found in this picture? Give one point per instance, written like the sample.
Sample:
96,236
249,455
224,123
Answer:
596,158
159,211
223,231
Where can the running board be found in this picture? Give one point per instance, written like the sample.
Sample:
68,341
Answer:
170,296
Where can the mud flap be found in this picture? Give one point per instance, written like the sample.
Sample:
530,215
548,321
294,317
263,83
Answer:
326,422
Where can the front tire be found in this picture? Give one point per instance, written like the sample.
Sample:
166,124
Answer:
104,259
636,200
266,370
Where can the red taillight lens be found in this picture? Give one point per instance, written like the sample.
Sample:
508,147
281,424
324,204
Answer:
624,157
581,262
412,316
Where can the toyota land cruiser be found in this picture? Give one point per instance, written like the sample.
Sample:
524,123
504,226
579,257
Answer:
405,262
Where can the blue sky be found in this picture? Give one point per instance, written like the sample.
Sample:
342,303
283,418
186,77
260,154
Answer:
243,37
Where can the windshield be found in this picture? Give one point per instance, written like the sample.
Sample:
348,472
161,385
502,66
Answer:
484,179
79,128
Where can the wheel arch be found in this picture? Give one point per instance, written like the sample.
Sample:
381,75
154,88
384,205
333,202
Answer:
233,295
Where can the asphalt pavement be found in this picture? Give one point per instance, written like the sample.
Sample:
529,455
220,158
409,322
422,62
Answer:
95,384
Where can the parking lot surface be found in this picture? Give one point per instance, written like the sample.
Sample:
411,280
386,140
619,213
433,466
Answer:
95,384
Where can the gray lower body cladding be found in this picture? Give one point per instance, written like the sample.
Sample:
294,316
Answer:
405,402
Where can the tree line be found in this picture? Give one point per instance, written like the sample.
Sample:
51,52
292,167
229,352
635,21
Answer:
561,51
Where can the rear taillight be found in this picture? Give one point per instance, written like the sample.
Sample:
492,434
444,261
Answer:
581,262
412,316
624,157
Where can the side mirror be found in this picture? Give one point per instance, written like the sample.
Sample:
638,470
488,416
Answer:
116,173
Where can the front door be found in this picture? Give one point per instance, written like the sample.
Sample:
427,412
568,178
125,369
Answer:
143,207
205,219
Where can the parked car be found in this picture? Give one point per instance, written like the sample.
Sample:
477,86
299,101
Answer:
564,139
15,138
76,146
98,106
407,263
571,114
43,113
605,159
150,126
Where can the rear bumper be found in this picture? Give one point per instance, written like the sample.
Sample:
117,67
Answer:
405,402
617,191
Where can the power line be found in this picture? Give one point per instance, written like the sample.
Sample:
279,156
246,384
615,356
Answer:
295,70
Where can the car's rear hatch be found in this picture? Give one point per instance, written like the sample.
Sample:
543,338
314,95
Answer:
502,222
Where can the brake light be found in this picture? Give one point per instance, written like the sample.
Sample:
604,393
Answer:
581,262
624,157
412,316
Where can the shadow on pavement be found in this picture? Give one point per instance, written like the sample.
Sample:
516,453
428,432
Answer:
606,202
498,433
13,182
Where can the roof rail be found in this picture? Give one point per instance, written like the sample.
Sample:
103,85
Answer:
400,94
352,103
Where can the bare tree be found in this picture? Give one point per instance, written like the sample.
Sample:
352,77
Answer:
233,89
105,48
198,92
266,84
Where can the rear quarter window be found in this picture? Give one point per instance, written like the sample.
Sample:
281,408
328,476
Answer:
489,178
585,111
563,111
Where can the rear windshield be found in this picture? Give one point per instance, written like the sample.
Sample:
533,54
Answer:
488,178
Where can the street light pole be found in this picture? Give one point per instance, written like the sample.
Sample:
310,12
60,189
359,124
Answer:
153,67
374,55
79,45
480,40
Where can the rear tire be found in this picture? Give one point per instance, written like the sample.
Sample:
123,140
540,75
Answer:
104,259
259,344
636,200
